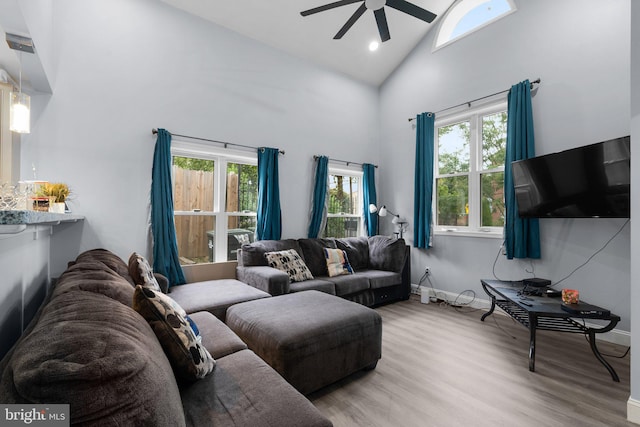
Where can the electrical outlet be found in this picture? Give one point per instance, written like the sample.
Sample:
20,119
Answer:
427,270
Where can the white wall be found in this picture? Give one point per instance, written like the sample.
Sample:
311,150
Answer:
24,263
635,208
123,67
580,50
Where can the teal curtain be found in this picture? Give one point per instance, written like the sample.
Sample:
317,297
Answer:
319,202
423,188
269,216
369,193
165,246
522,235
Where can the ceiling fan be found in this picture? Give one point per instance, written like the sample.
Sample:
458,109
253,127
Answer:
377,6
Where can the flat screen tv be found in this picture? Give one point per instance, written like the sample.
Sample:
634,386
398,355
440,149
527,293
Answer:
585,182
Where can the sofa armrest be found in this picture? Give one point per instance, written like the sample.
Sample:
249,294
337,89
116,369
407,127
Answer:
387,254
163,282
268,279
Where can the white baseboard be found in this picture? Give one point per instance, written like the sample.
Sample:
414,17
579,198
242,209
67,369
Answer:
615,336
633,410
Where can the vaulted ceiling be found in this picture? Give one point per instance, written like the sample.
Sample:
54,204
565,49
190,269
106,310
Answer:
278,23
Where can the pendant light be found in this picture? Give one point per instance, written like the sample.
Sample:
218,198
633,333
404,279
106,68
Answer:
20,114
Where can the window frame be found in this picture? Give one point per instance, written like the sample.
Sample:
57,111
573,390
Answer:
221,157
345,171
9,148
456,13
474,115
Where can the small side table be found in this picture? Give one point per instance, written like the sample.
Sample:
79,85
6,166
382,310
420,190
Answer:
544,313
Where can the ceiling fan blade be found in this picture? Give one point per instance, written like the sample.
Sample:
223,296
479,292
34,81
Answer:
358,13
411,9
327,7
383,28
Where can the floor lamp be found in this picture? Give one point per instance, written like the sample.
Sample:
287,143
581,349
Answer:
383,212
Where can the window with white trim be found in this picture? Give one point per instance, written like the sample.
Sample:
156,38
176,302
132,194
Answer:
469,170
468,16
344,213
215,193
9,158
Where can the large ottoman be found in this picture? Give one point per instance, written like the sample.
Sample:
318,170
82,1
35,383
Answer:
311,338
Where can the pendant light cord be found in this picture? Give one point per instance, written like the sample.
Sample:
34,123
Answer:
20,73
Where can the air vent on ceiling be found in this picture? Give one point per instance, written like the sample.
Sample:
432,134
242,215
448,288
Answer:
23,44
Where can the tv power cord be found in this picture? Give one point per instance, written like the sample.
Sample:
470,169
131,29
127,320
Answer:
442,299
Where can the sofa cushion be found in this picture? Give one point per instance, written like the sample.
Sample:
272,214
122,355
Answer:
322,285
217,338
291,263
386,253
381,278
349,284
357,249
245,391
214,296
313,254
108,258
92,276
98,355
142,273
337,262
182,344
252,254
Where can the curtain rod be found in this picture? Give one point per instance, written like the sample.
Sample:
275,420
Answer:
315,157
155,131
537,81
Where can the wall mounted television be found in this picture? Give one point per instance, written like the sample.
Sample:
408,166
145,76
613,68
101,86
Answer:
592,181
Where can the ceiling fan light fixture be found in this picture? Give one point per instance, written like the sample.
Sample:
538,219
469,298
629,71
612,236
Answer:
373,46
375,4
377,7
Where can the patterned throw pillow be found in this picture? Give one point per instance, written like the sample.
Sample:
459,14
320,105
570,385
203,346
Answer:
337,262
290,262
142,273
179,339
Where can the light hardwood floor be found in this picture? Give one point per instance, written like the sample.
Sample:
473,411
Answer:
443,367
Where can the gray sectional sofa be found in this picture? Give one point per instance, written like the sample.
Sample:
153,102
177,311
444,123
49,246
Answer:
382,268
87,347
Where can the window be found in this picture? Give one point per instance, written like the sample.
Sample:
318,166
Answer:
9,156
469,170
215,193
468,16
344,214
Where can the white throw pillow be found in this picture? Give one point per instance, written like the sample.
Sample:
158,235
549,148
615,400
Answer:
291,263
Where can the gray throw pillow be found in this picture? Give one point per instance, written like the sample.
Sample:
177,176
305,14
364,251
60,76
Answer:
142,273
